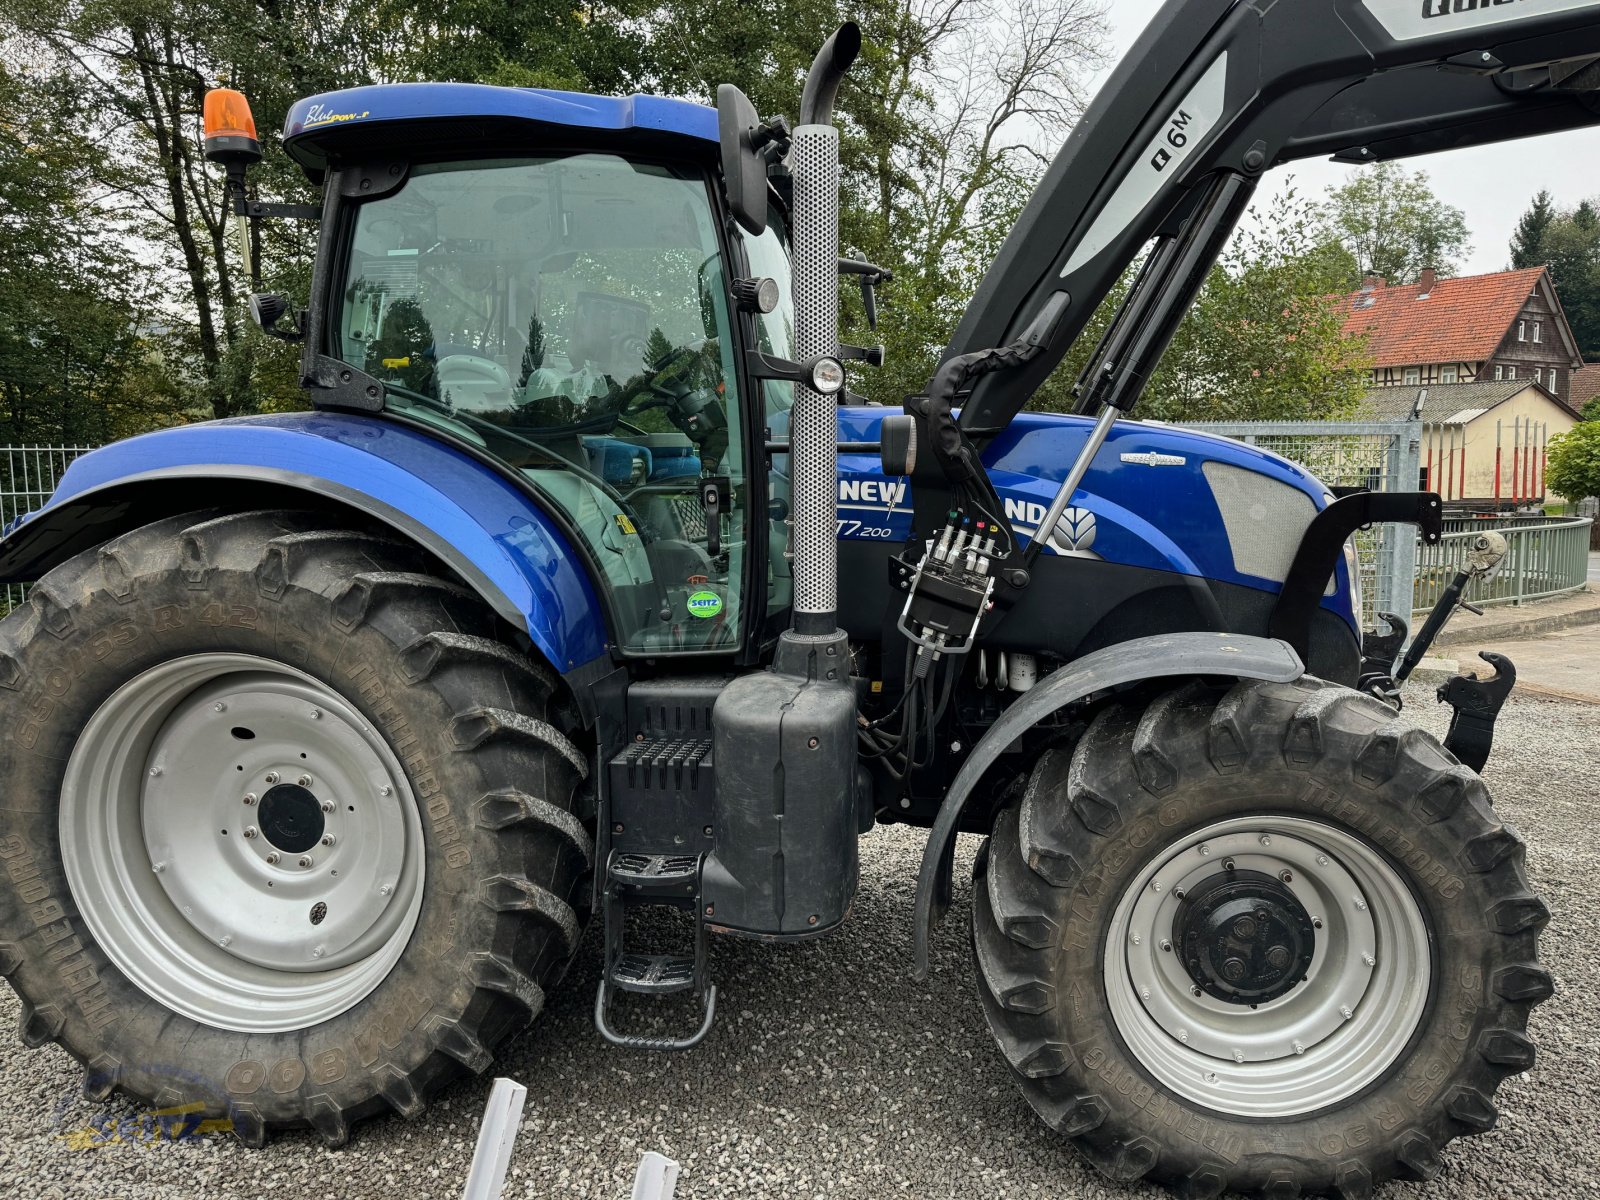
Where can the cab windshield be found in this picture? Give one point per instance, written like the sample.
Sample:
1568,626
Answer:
569,314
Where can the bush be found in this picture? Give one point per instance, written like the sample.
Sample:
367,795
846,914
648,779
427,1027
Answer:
1574,470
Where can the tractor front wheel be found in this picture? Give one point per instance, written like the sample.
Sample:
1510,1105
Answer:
1268,940
286,836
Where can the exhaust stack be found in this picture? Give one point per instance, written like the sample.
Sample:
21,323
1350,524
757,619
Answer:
814,164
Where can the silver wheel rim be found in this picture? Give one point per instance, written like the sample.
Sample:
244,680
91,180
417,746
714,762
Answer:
1363,993
241,842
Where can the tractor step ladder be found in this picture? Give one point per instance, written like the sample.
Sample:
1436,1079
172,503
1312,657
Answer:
639,880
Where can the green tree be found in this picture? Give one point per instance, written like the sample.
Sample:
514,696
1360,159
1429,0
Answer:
1394,225
1263,341
1571,248
1574,466
76,360
1591,410
1527,241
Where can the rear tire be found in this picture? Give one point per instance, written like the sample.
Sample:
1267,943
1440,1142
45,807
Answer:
1359,1074
207,720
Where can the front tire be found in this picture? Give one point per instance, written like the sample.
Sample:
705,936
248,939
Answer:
288,838
1268,940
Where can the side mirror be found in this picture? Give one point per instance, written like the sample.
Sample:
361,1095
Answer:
744,170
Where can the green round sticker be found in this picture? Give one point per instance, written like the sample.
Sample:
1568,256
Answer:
705,605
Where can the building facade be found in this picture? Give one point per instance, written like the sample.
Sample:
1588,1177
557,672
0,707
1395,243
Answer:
1499,328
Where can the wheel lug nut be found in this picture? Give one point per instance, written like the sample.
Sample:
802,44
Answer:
1238,1056
272,777
1144,993
316,714
304,781
1183,1035
1322,860
155,772
1265,840
1227,864
249,798
272,857
327,806
1345,1012
327,839
1286,876
220,706
1299,1047
306,860
1197,992
318,951
1166,945
158,867
1204,850
225,940
1369,960
385,889
385,790
1316,922
1136,939
250,831
1361,906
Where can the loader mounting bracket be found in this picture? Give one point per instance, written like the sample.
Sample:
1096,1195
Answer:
1323,543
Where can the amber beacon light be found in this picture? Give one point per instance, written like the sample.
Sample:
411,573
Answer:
229,128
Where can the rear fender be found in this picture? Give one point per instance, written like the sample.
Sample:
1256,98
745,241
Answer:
493,535
1161,656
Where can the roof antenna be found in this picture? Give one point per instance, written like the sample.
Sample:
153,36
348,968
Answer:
1416,409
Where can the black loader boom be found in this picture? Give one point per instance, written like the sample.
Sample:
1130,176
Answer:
1217,92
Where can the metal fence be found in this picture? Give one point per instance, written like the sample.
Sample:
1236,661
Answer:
1545,556
1384,456
28,474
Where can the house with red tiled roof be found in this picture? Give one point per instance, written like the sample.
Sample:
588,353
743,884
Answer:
1585,386
1476,329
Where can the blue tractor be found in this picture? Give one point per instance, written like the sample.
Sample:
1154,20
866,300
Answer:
577,590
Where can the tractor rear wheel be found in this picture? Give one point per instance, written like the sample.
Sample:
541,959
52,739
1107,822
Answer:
1266,940
287,836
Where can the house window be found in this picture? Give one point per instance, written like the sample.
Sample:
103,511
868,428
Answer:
1447,375
1552,383
1511,372
1522,331
1413,376
1538,331
1499,371
1538,374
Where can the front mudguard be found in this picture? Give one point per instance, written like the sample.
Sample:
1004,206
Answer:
1156,657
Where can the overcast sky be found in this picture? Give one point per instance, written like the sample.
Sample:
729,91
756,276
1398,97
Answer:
1491,184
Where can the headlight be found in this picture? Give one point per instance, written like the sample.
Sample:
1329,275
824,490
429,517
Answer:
1352,564
827,376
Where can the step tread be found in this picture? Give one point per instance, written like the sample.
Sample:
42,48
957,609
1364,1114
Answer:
654,973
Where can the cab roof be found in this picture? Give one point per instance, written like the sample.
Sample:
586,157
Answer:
320,125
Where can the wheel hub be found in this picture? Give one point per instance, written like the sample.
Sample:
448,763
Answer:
291,818
1245,937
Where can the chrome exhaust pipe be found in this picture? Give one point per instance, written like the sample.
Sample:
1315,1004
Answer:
813,437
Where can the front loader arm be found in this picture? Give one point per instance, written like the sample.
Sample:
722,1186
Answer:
1237,87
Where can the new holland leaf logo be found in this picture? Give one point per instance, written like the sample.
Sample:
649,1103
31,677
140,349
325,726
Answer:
1075,530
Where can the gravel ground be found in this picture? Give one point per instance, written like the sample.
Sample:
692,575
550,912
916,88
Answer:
831,1074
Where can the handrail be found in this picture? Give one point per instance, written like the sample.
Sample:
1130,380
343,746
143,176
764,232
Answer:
1543,559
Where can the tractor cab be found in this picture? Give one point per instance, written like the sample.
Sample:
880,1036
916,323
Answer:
547,280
